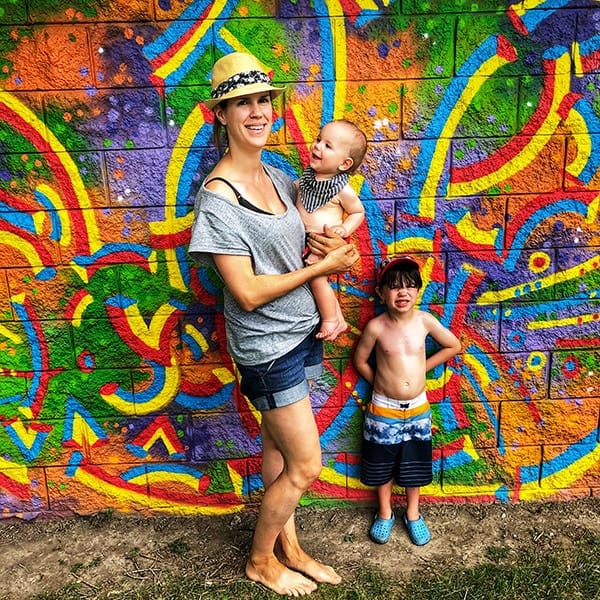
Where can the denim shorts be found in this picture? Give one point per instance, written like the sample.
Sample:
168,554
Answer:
283,380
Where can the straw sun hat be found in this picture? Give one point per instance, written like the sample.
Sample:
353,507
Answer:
239,74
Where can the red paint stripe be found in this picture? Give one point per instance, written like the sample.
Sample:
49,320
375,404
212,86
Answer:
36,241
350,9
73,303
583,343
468,247
160,423
518,220
517,22
168,241
505,49
14,201
68,193
505,154
116,258
164,57
297,137
214,499
21,490
160,355
517,488
202,389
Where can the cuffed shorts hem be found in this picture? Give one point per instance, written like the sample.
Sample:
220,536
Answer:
281,398
284,380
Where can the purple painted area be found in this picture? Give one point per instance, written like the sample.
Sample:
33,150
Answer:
217,436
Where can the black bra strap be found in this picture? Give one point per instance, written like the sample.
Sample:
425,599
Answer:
237,194
242,201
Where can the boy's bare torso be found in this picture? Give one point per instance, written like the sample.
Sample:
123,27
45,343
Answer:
400,355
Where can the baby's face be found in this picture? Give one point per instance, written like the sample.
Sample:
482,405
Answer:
330,152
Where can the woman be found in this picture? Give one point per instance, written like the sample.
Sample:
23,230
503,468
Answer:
247,227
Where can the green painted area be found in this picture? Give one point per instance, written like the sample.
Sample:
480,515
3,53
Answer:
310,499
220,479
88,8
19,157
12,11
585,285
67,131
476,473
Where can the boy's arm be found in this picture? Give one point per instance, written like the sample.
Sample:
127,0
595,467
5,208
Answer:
362,353
451,345
354,209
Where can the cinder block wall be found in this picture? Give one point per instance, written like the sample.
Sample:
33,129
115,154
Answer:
483,122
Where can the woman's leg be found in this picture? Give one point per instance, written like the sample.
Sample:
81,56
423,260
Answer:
291,462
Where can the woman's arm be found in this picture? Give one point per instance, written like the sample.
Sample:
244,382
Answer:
251,291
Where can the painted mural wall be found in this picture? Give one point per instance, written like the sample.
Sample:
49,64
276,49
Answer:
483,120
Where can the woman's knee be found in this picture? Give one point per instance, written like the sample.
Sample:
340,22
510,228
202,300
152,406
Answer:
305,473
314,470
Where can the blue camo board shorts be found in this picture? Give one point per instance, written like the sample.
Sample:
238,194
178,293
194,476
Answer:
397,442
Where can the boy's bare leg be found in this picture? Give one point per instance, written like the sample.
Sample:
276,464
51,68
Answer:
384,496
332,319
412,503
289,469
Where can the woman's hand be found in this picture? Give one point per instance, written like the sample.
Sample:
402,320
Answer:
322,244
341,259
338,256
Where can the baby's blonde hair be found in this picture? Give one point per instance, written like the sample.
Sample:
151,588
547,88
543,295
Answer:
358,147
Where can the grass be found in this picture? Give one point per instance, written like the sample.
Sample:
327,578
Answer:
552,573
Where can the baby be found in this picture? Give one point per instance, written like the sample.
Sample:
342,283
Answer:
326,198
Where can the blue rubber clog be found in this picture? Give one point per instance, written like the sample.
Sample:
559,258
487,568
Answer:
418,532
381,529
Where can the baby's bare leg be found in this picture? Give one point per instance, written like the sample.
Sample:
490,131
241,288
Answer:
332,320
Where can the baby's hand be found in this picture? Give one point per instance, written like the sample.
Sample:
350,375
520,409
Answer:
339,230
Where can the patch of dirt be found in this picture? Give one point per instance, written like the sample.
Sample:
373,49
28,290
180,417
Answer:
111,553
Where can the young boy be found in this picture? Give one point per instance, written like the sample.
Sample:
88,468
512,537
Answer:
397,428
326,198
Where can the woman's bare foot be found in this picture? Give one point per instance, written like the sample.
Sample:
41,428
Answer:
278,578
330,329
313,568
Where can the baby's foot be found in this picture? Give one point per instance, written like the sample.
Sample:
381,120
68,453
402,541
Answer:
330,329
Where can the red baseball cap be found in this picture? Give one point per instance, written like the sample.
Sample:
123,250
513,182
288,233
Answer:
388,263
